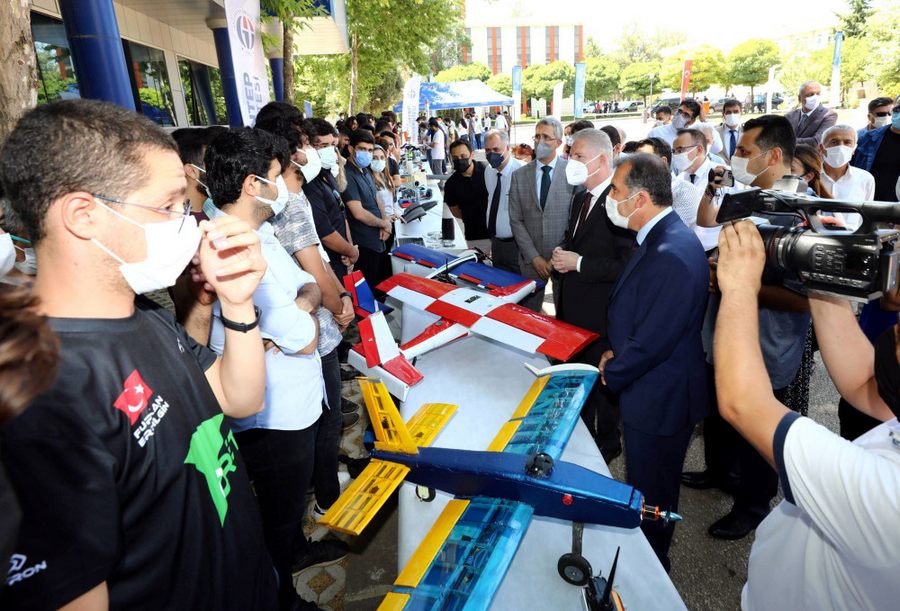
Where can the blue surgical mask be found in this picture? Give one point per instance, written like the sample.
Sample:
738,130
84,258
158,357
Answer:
895,120
495,159
280,200
363,158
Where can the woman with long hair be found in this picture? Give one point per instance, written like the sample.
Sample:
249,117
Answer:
808,164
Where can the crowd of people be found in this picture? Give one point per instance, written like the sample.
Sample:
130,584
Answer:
144,444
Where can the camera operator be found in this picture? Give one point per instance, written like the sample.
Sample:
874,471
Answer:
828,544
763,155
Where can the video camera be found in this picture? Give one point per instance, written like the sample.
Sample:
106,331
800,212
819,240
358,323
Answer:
859,265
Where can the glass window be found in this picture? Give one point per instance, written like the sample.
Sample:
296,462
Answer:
202,93
551,39
54,61
495,55
150,82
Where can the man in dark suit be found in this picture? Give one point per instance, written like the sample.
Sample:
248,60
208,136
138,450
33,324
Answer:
656,362
586,265
812,119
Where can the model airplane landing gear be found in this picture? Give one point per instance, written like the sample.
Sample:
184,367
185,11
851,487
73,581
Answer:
424,493
574,568
599,594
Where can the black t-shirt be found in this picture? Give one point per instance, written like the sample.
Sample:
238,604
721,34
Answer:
393,166
886,167
127,473
470,195
361,188
327,208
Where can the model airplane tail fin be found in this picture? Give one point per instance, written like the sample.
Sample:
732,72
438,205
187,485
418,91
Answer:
364,303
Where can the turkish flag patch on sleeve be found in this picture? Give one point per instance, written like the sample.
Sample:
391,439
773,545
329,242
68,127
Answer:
135,396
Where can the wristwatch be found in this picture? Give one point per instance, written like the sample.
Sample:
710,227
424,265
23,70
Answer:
345,294
241,326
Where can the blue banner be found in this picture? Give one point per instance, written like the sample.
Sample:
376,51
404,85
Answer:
580,75
307,109
834,98
516,92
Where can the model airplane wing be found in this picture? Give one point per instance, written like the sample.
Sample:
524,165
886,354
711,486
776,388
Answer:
463,558
466,268
490,316
356,507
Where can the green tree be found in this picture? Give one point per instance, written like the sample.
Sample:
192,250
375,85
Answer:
464,72
635,78
634,45
854,22
538,80
709,68
884,33
601,78
291,14
501,83
592,49
749,63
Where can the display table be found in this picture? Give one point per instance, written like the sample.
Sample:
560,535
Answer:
429,226
487,381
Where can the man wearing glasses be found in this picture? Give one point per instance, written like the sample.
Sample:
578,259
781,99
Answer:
878,152
133,492
539,203
687,115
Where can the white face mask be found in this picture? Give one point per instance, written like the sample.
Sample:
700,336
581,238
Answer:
882,121
812,101
328,157
577,171
740,171
7,254
280,200
377,165
313,164
168,253
612,211
733,120
838,156
569,140
682,161
29,265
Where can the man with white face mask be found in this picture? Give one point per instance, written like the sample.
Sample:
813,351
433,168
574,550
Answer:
844,181
586,265
687,115
144,476
812,118
655,362
730,130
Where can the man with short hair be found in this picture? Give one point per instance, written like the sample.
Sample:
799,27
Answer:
655,362
730,130
192,143
692,166
811,118
663,115
539,201
500,122
879,115
369,226
327,206
467,196
587,263
497,181
129,478
688,114
436,147
843,180
878,153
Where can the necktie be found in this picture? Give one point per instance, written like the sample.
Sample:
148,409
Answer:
585,207
733,144
495,205
545,185
800,122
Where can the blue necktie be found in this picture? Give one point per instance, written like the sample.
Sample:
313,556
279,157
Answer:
545,185
733,142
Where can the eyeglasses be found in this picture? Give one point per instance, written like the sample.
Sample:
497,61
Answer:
883,113
543,138
167,212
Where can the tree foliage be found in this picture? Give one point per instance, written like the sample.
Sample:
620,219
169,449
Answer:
538,80
464,72
601,78
854,22
708,68
635,78
884,34
634,45
501,83
750,61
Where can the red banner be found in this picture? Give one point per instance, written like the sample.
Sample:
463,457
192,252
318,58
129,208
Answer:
686,77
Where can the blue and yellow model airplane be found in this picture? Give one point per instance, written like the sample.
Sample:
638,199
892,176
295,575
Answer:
463,559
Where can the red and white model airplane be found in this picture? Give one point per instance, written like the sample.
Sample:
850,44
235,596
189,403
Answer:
493,315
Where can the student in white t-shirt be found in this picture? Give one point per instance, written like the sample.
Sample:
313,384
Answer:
833,542
437,142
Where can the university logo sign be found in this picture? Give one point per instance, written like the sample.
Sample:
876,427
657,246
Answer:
246,31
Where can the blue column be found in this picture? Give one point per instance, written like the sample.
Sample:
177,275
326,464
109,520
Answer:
277,65
203,89
226,71
93,35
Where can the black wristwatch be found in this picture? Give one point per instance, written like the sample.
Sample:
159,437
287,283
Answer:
241,326
345,294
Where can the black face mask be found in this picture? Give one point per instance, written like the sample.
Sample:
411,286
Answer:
887,370
460,165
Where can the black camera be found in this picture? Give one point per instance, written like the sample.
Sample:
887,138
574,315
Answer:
860,265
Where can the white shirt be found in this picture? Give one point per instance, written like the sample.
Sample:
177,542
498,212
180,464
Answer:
500,122
832,543
437,144
504,230
701,174
855,185
294,384
487,122
686,202
596,192
539,174
476,123
666,133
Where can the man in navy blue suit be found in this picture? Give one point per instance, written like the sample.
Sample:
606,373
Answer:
656,361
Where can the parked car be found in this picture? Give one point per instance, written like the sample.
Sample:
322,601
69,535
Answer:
759,102
590,107
630,106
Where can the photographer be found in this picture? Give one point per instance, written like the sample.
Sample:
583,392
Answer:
828,545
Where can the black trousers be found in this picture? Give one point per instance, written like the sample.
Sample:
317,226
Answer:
505,255
653,465
719,437
853,422
601,410
328,435
280,465
374,267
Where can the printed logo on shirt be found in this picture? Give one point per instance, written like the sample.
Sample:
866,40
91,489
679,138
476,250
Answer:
213,455
135,396
18,571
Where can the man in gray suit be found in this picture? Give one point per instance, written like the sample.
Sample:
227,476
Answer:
730,130
812,119
539,201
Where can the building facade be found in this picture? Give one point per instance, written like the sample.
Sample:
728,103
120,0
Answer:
500,47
